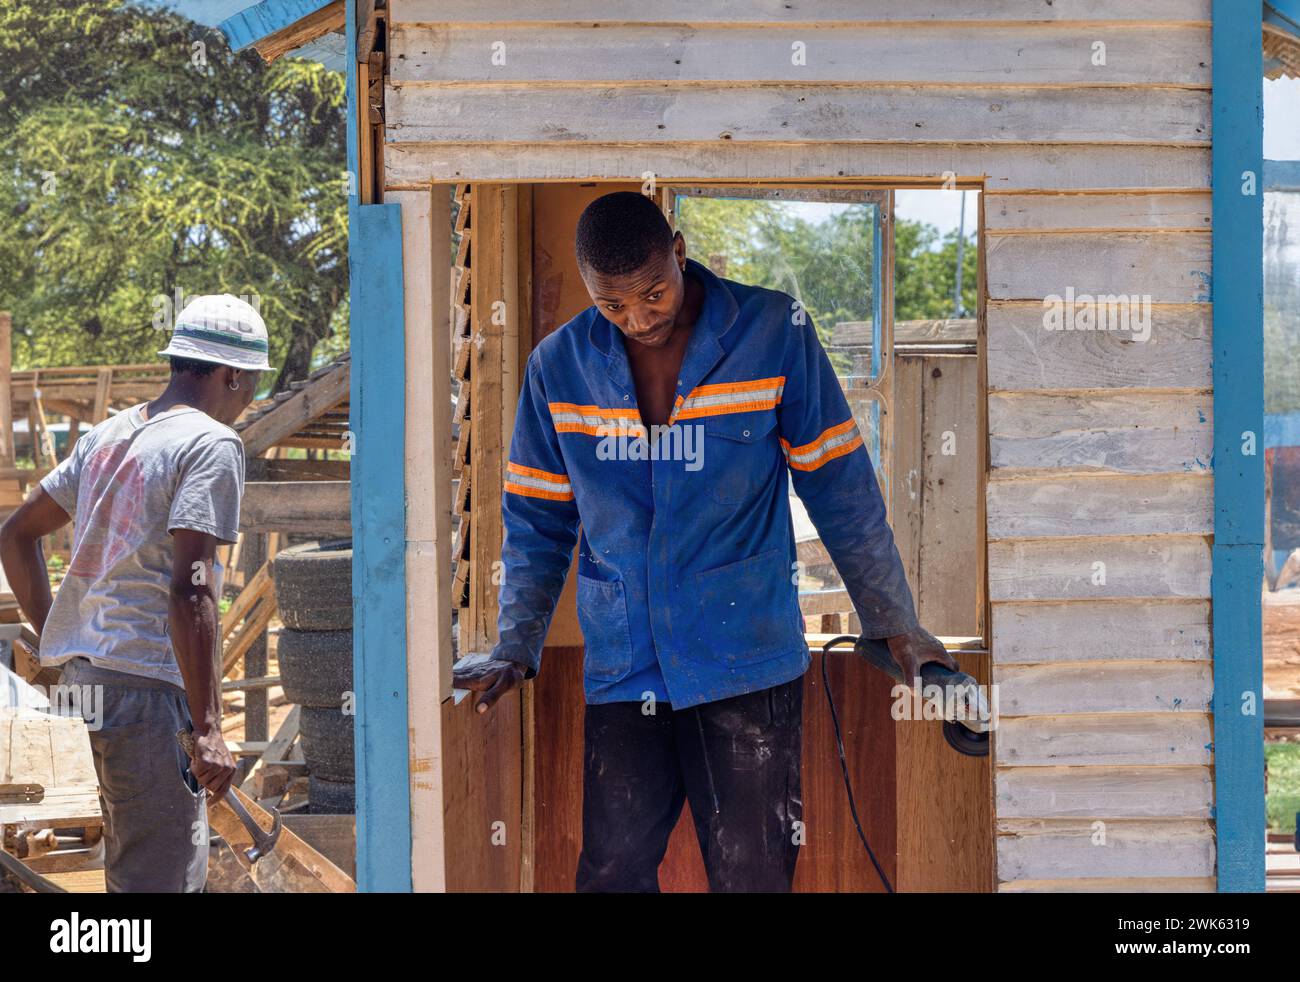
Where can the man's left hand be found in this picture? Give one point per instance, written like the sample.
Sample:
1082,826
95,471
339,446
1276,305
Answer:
912,650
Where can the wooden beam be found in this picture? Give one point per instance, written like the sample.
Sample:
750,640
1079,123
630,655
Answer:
309,402
291,867
277,749
275,469
257,588
103,386
254,627
324,21
305,507
494,317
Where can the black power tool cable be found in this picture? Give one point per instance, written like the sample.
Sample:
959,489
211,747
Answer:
844,764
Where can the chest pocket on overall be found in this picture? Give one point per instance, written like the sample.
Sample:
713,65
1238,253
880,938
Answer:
740,455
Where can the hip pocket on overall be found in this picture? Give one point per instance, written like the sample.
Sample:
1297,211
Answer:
606,633
743,610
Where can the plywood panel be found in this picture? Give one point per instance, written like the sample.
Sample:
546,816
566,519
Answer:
784,12
1081,504
1099,568
1045,850
1104,792
1116,432
947,53
1118,884
945,806
1007,167
950,541
1108,738
1105,687
1005,213
1155,267
481,784
906,488
1108,629
1166,346
658,113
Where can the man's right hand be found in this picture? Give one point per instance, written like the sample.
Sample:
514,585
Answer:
491,679
212,765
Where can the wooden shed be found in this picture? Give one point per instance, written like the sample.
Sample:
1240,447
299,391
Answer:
1108,486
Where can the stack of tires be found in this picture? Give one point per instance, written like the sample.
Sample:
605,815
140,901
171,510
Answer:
313,588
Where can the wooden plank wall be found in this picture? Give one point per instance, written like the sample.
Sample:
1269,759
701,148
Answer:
1088,125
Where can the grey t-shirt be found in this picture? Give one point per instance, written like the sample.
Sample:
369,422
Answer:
127,484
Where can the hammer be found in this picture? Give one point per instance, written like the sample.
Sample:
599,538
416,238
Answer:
263,842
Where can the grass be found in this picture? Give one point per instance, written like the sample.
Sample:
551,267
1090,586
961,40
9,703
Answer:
1283,798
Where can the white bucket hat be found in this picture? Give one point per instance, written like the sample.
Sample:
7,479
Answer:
223,329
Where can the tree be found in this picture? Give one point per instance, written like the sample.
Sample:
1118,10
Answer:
148,162
828,265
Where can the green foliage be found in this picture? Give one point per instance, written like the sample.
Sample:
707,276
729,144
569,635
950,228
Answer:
1283,799
827,265
146,161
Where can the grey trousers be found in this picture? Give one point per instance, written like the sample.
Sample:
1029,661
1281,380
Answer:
155,813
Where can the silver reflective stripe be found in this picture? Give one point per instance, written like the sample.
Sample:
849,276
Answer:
713,400
585,420
848,436
514,477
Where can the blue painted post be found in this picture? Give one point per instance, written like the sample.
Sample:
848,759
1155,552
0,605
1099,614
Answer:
1238,309
378,422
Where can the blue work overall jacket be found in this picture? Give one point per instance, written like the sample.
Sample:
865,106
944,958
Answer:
687,571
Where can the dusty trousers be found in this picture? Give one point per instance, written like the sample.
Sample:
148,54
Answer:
155,813
736,760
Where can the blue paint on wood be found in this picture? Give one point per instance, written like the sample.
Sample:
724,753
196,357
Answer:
1238,260
378,418
261,20
1282,175
354,151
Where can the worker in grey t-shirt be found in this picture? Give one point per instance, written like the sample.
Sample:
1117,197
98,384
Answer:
151,491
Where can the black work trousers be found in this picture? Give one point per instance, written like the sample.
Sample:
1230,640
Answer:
737,761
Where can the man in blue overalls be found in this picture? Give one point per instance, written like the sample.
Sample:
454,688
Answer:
663,421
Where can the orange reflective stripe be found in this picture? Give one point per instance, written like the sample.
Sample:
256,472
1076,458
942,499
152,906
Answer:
720,398
835,441
514,468
715,388
536,483
572,407
538,492
825,435
568,417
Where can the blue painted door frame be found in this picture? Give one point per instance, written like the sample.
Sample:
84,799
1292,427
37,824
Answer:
378,423
378,483
1237,134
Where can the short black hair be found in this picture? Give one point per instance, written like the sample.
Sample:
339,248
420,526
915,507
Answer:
192,366
621,232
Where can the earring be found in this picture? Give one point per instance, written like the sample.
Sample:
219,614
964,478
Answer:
232,387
